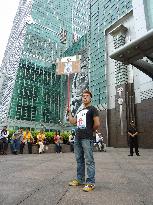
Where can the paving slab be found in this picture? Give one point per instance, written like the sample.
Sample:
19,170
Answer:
33,179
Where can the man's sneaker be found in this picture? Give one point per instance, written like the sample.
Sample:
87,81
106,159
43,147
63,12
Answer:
88,187
74,182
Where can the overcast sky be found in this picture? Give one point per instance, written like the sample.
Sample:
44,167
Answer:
8,10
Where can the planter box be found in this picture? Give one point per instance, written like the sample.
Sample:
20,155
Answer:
48,148
51,148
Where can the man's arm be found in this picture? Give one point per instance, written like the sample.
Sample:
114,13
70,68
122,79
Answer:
130,134
71,119
96,123
135,134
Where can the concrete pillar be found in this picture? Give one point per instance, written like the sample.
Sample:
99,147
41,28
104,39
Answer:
121,77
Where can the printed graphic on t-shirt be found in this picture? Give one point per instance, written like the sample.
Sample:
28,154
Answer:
81,118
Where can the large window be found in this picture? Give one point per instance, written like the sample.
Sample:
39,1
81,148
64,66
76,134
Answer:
149,13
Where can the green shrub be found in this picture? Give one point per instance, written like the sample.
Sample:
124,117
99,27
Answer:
65,136
49,137
11,133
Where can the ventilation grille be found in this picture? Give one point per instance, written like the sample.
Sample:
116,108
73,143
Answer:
147,94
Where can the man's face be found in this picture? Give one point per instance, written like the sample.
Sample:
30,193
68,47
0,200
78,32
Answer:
86,98
132,124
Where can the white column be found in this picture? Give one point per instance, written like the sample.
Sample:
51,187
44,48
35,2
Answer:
139,18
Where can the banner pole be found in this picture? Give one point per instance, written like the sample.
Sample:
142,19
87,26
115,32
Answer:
68,91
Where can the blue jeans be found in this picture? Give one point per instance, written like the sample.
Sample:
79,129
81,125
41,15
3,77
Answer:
83,149
58,147
3,145
15,145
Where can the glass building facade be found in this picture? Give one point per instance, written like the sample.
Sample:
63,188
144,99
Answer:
39,95
149,13
103,13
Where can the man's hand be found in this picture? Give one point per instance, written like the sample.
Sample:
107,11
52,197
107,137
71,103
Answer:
134,134
67,114
71,119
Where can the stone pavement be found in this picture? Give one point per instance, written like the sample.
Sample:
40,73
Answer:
43,179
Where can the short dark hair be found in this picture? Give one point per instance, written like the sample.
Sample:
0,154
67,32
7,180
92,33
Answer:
88,92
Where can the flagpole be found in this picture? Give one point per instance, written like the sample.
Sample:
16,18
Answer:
68,91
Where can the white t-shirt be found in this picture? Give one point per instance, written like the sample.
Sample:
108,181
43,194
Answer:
97,137
4,134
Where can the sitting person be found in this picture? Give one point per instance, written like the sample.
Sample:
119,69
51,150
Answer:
57,140
99,141
61,141
71,141
4,140
40,141
27,138
22,143
16,140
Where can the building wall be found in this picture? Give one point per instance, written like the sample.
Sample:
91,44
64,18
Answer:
102,15
116,80
148,6
143,85
36,96
9,67
41,97
145,122
128,22
137,87
102,79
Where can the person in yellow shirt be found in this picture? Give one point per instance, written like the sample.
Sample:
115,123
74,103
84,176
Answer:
27,137
40,141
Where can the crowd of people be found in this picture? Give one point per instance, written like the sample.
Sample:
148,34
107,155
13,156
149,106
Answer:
20,138
17,141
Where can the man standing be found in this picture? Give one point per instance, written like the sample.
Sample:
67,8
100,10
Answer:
133,139
87,121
